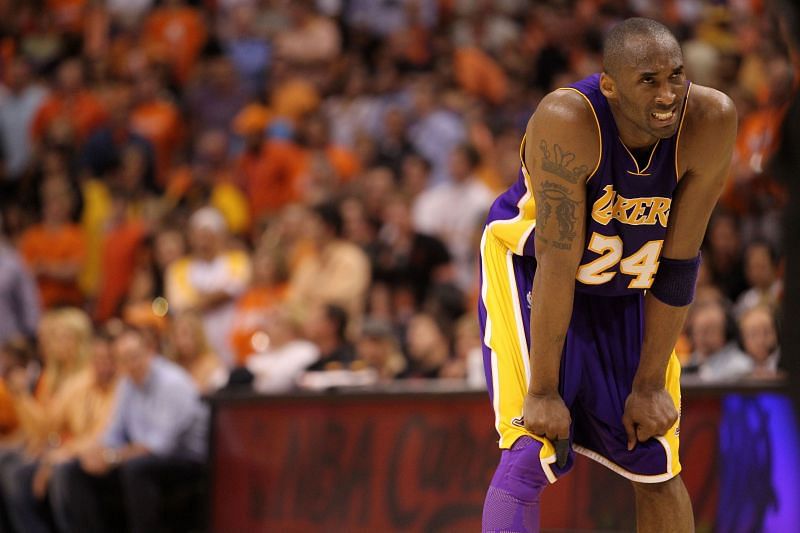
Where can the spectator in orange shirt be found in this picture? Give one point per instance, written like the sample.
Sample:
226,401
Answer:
267,290
67,14
249,124
65,344
324,166
118,256
55,249
71,110
273,181
158,120
176,33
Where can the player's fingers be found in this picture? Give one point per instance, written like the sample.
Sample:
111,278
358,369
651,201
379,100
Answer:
644,432
627,421
551,433
562,452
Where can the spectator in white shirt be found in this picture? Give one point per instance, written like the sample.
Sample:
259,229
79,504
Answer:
452,210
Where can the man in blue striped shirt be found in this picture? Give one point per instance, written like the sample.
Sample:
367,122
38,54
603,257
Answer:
156,443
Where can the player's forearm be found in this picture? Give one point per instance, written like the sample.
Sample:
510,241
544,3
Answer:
662,325
551,312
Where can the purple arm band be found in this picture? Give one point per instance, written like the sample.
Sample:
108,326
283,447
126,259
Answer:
675,280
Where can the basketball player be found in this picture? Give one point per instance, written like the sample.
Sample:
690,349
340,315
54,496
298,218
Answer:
588,265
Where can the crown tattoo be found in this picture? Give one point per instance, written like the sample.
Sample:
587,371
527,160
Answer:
559,161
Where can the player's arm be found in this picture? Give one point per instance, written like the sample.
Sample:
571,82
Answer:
562,149
707,157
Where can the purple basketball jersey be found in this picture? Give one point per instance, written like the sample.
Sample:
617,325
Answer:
628,205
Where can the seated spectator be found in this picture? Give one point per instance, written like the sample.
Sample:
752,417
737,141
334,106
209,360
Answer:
244,44
103,151
724,254
65,337
189,348
175,33
18,107
715,355
17,358
310,38
393,149
760,266
216,96
407,259
72,109
155,445
284,356
379,349
79,416
760,341
469,352
267,291
358,226
38,394
337,273
55,249
122,238
433,211
323,165
157,119
272,174
208,180
210,279
427,347
327,327
19,296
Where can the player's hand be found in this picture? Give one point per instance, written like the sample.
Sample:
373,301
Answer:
648,413
546,415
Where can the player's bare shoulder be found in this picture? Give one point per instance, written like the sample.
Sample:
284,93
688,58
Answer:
709,128
563,131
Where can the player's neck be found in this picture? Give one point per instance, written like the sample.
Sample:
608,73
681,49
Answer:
631,135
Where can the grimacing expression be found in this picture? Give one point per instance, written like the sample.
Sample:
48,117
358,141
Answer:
650,86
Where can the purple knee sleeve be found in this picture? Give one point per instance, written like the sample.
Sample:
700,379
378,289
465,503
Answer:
512,502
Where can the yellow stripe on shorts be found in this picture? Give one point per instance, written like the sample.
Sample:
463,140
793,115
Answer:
505,337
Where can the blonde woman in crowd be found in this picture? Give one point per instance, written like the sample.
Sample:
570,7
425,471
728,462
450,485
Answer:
65,338
188,347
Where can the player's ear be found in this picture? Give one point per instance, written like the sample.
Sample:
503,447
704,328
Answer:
607,86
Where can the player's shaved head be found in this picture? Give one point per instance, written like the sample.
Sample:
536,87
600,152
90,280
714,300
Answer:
632,39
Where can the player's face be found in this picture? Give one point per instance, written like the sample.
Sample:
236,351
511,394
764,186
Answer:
649,92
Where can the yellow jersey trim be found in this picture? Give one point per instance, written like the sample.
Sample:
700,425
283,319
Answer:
641,172
599,131
680,129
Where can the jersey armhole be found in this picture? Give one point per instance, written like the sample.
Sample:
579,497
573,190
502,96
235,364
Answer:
599,131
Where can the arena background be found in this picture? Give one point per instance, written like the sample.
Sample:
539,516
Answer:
348,151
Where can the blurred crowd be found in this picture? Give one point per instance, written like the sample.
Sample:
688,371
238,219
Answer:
278,194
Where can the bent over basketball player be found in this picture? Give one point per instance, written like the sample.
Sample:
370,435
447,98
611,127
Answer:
588,265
